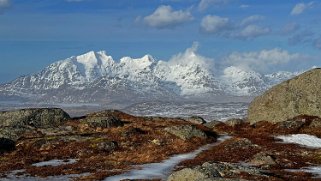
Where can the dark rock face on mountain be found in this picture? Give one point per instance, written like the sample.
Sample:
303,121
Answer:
37,118
297,96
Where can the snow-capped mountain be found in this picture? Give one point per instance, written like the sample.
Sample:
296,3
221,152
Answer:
96,77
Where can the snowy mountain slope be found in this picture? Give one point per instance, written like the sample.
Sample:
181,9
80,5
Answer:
96,77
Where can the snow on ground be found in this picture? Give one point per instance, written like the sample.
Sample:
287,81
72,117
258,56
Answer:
55,163
302,139
163,169
315,170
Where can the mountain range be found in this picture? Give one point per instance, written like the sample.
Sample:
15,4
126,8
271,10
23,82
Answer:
96,77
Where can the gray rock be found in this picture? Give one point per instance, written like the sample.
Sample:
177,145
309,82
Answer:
212,124
107,121
12,133
185,132
234,122
297,96
213,172
195,120
291,124
262,159
242,143
187,174
107,146
37,118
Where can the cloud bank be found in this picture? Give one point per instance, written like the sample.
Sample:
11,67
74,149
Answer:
301,7
224,27
262,61
166,17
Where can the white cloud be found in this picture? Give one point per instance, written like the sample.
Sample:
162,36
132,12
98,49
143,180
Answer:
215,24
204,4
301,7
4,4
166,17
191,57
251,19
252,31
222,26
262,60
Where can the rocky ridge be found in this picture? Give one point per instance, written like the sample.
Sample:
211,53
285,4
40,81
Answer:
97,77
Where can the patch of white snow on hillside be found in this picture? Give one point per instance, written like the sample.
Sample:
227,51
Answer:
302,139
315,170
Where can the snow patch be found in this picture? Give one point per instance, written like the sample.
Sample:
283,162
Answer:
163,169
55,163
302,139
315,170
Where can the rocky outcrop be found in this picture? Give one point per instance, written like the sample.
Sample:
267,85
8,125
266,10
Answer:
213,172
263,159
186,132
297,96
103,122
36,118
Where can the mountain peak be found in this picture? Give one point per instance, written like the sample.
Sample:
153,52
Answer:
148,58
88,59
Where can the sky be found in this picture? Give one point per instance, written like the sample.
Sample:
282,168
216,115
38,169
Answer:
264,36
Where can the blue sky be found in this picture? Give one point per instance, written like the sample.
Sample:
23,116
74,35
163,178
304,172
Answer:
35,33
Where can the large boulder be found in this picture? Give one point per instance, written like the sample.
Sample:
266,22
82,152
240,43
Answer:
37,117
298,96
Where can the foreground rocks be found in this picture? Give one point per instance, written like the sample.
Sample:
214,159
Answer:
186,132
103,143
37,118
108,143
298,96
214,172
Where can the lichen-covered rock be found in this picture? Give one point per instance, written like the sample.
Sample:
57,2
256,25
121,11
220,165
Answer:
37,118
12,133
186,132
213,124
234,122
242,143
187,174
107,121
290,124
213,172
262,159
297,96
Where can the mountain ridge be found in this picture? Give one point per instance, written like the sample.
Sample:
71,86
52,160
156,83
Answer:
97,77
